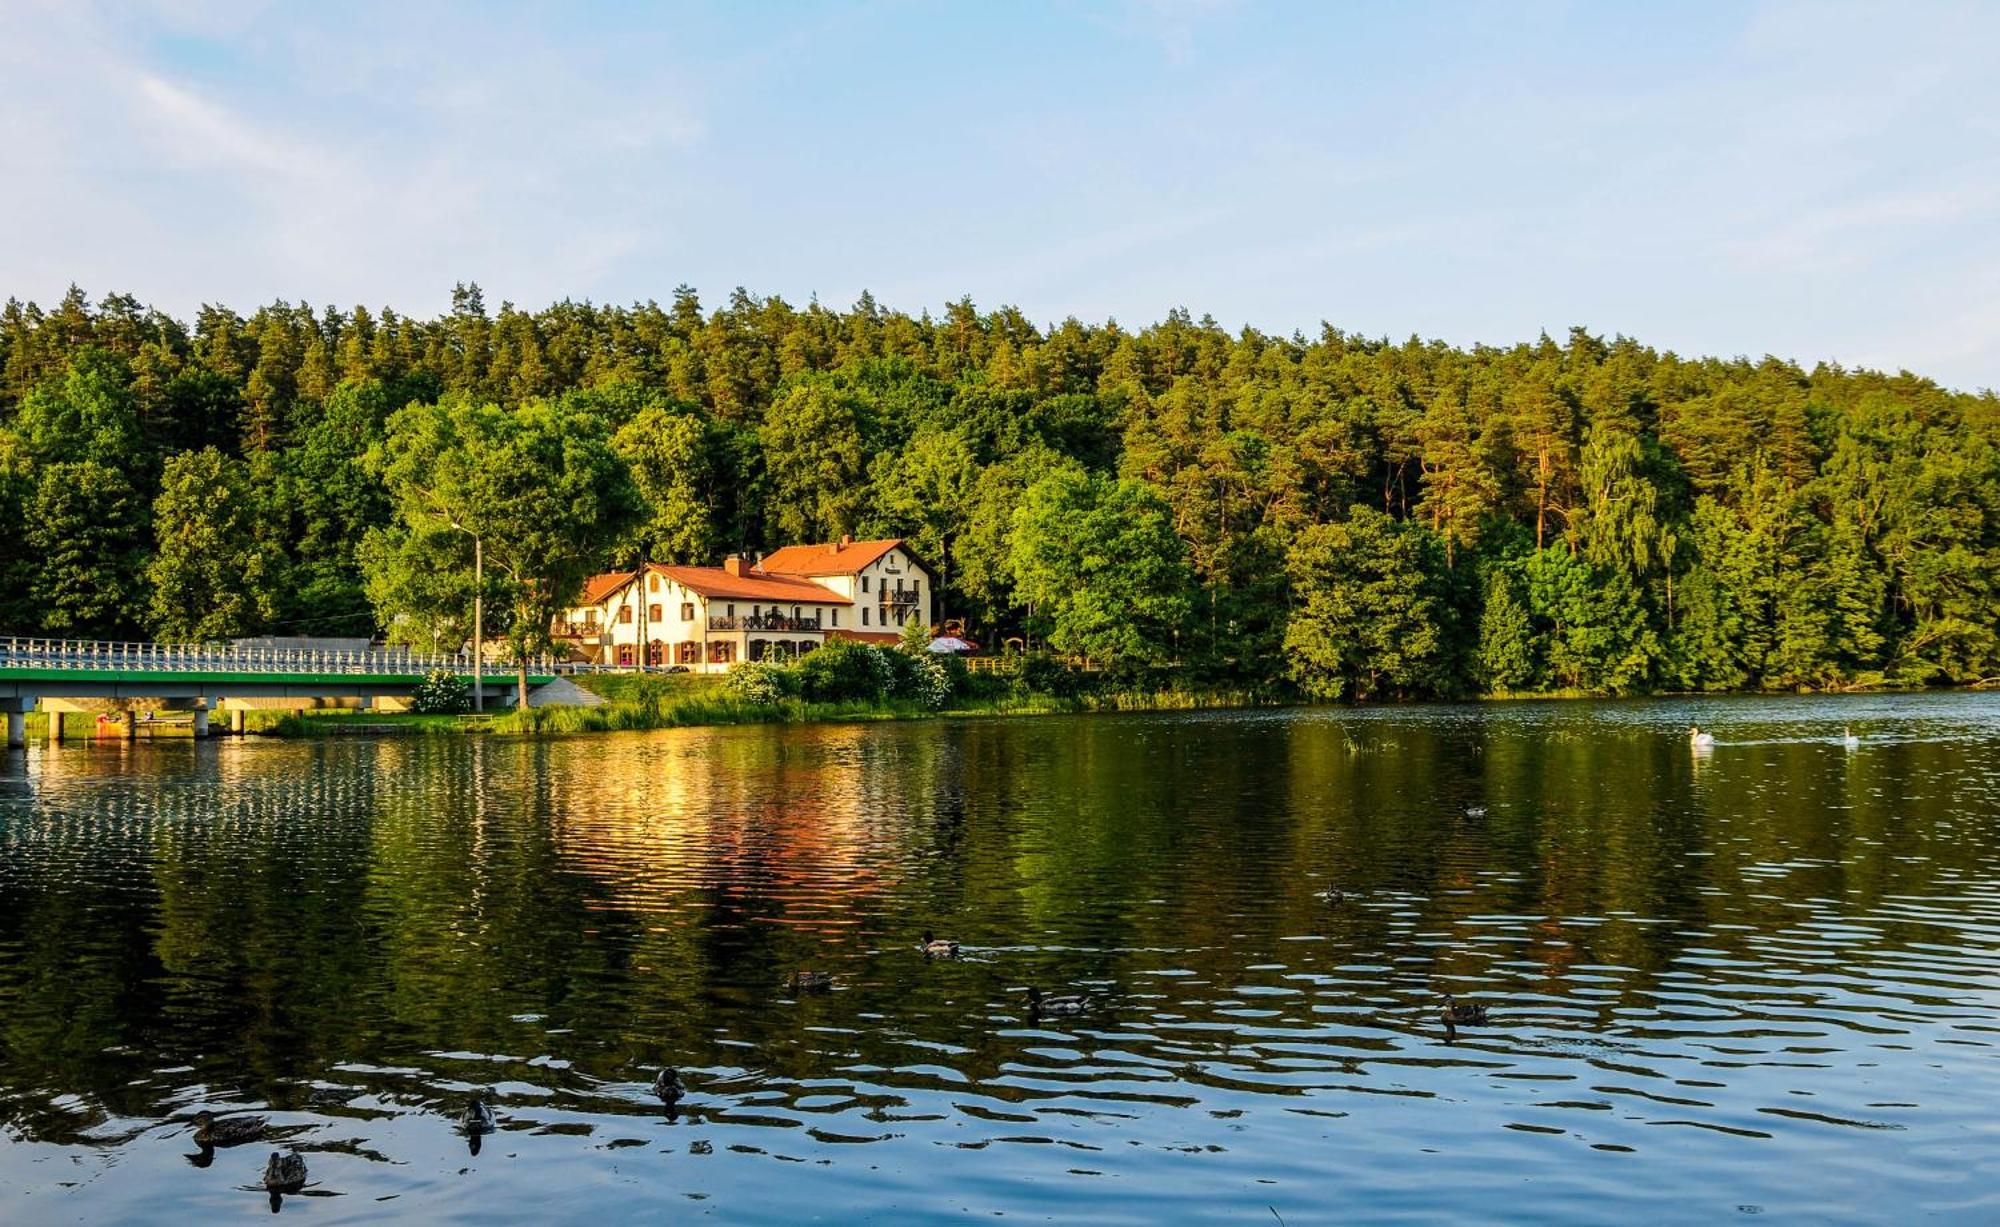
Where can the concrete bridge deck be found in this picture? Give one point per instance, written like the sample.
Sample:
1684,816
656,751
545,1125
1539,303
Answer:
198,676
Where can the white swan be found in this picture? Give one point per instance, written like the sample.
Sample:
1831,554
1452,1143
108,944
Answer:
1847,736
1700,740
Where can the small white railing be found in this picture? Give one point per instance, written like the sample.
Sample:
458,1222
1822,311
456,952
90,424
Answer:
84,654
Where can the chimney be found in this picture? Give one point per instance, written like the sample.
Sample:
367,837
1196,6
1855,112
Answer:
733,564
846,539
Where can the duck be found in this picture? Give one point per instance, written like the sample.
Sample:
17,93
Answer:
1456,1015
212,1130
667,1085
1847,736
938,947
807,981
1054,1007
1332,896
285,1173
1475,811
1700,740
478,1117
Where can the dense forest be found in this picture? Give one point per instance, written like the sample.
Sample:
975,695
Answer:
1330,515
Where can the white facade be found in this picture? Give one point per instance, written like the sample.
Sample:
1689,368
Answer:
705,619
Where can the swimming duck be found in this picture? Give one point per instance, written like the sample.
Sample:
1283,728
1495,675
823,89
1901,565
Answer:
478,1117
1332,896
1700,740
667,1085
211,1130
285,1173
1054,1007
1456,1015
1475,811
806,981
938,947
1847,736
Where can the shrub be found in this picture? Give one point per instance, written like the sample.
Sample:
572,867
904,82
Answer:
1046,675
441,693
898,671
935,685
843,671
754,681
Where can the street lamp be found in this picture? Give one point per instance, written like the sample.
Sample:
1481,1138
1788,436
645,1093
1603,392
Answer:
478,617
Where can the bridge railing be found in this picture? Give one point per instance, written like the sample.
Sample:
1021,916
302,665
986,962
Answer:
103,655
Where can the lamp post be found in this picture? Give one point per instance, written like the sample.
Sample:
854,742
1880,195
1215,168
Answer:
478,617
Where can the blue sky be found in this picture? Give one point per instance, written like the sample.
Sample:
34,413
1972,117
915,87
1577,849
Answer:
1815,181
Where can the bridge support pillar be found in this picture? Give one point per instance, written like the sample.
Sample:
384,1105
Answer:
236,721
55,728
17,723
128,724
201,721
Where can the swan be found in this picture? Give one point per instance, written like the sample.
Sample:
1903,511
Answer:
1700,740
1847,736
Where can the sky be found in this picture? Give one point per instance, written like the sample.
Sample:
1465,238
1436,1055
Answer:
1815,181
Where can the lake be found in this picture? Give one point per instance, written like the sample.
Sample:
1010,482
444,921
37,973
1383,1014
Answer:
1756,980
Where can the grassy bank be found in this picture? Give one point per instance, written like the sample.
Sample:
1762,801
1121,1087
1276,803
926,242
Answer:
699,709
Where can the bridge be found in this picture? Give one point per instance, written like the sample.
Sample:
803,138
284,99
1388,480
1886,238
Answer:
196,677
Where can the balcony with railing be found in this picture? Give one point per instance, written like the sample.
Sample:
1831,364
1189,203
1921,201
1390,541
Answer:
763,622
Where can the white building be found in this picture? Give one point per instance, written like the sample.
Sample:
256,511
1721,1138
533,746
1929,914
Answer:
708,618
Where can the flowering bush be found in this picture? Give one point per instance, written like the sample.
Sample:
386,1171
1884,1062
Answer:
935,684
755,682
441,693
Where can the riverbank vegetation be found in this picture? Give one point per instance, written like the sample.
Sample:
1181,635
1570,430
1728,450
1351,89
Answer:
1325,515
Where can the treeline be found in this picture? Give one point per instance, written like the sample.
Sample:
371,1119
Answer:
1333,514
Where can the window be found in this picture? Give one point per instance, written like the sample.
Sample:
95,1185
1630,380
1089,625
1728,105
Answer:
730,609
654,613
721,652
836,617
864,583
687,611
687,653
652,583
864,615
795,611
624,615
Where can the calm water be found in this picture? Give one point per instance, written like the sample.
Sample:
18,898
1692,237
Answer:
1756,981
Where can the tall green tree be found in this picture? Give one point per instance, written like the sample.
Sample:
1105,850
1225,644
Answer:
87,535
1099,566
212,575
1367,619
538,486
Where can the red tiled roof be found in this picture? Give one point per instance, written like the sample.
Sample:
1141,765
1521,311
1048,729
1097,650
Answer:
830,559
598,588
751,585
